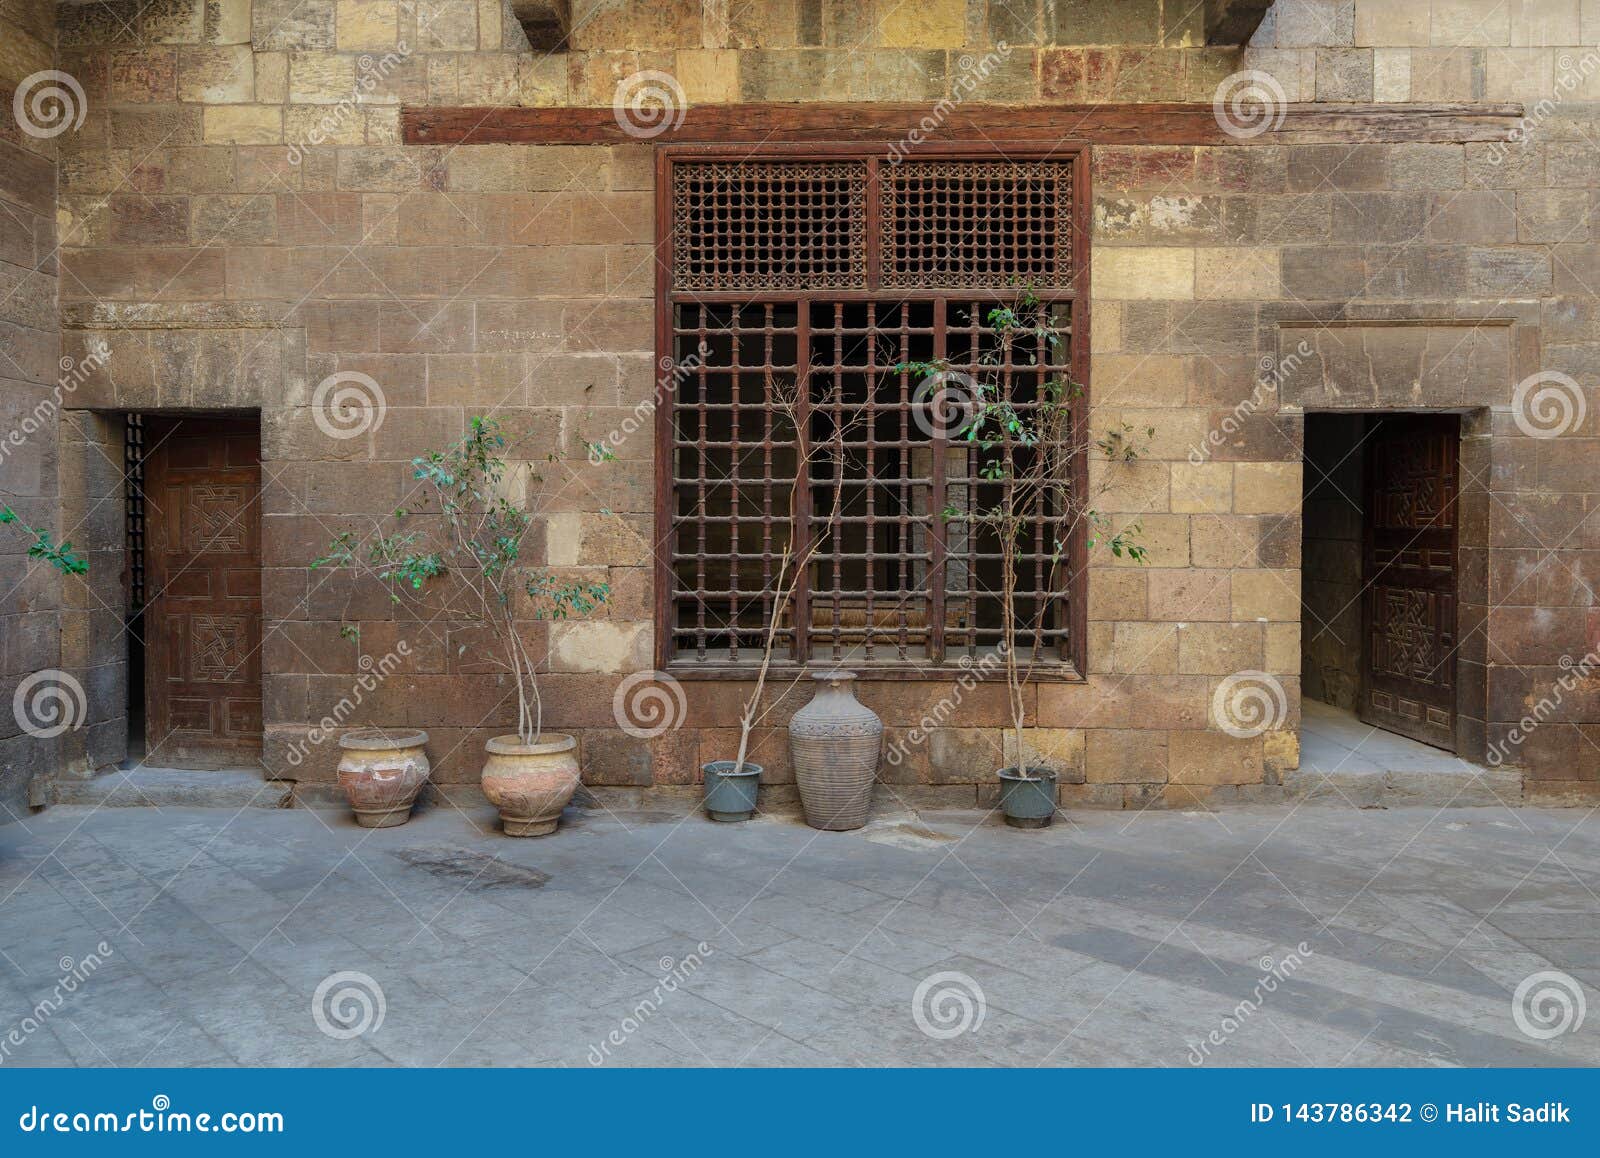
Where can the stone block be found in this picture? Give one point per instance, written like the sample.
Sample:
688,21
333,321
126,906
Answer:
1196,757
1391,23
600,646
1266,594
1202,488
364,24
243,125
1126,756
1160,272
292,25
1219,648
224,75
1096,22
1237,272
1266,487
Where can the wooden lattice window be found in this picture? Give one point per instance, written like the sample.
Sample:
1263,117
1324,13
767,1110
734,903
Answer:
815,277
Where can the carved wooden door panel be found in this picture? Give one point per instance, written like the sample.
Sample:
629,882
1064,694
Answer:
1408,614
203,579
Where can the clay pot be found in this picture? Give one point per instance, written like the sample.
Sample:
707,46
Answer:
530,783
835,742
381,771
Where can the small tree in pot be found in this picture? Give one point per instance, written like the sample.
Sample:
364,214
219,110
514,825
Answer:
469,560
1028,451
732,785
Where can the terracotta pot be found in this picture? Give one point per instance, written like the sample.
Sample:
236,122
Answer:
530,783
381,772
835,742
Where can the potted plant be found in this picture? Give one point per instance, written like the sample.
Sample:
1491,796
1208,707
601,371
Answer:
470,560
1024,433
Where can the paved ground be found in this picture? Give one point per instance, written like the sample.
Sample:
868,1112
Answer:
1250,936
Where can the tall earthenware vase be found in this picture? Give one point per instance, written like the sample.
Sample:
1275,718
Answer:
834,744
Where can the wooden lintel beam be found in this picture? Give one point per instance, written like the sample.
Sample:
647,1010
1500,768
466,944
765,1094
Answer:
1120,124
1233,21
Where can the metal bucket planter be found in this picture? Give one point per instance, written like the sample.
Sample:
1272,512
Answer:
731,797
381,771
1028,799
835,742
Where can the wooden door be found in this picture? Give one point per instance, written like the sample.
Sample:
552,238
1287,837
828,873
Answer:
1408,614
203,583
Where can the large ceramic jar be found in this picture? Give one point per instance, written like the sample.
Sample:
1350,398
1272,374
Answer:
530,783
834,743
381,771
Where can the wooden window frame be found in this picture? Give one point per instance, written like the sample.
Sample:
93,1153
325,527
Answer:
1073,666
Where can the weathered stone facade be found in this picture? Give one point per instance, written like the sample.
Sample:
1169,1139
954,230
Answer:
239,219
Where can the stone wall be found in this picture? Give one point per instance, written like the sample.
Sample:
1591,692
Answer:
240,221
30,593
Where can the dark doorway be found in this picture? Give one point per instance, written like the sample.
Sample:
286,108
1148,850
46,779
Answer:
1379,579
1408,577
202,591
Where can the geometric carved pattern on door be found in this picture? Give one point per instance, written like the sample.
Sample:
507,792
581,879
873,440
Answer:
1409,577
203,581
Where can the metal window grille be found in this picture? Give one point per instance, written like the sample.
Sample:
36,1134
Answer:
795,290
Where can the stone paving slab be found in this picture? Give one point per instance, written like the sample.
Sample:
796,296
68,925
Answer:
1259,936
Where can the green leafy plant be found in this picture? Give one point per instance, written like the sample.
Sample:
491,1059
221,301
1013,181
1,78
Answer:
44,547
1024,430
461,544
